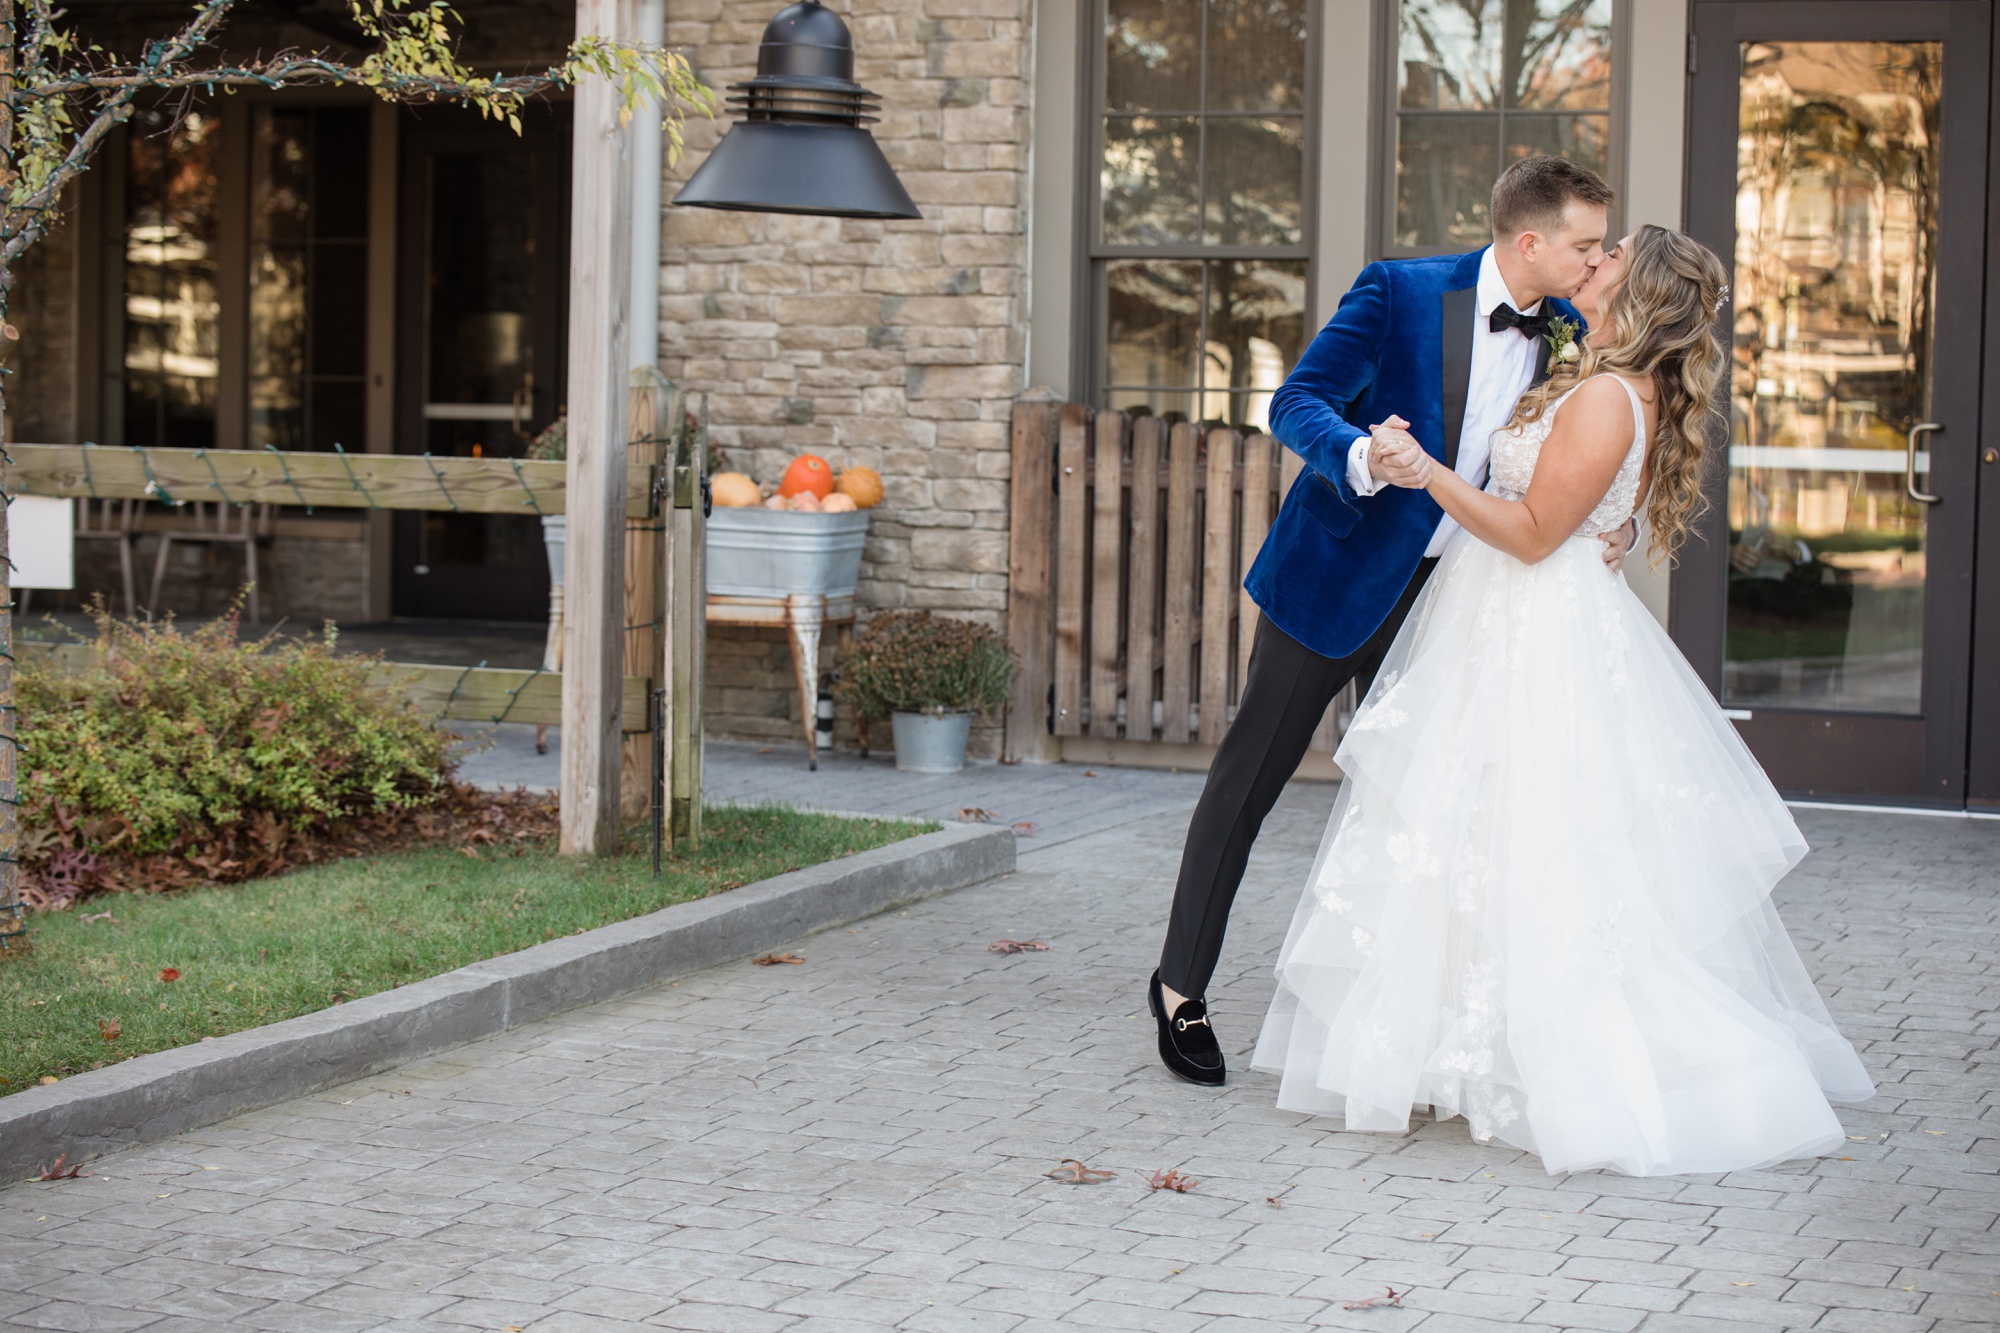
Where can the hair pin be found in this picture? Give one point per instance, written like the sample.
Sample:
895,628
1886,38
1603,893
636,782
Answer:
1720,297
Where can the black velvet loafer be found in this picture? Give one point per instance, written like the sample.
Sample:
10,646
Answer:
1188,1046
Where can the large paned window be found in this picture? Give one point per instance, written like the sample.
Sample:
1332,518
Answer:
308,277
296,186
171,311
1200,205
1478,84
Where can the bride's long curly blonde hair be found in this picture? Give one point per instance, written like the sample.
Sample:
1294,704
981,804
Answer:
1661,325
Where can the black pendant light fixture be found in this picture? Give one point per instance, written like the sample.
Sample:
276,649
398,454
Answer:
800,146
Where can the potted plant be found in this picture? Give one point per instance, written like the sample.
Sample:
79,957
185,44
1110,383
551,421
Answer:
552,446
929,674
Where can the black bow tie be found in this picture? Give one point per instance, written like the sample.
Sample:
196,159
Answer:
1505,316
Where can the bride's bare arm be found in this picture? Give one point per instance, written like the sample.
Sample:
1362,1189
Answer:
1577,465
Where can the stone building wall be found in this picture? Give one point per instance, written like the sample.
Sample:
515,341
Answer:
894,345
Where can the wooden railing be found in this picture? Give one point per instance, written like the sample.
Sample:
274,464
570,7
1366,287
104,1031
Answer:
1129,542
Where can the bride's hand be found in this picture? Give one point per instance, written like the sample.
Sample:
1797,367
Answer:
1395,457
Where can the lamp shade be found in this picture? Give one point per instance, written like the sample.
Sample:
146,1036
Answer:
800,146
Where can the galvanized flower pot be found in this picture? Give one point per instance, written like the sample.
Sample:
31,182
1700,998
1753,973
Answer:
929,742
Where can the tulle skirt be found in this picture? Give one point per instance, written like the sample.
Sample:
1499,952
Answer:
1543,899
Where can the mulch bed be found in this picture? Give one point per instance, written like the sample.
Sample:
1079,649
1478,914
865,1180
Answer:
56,872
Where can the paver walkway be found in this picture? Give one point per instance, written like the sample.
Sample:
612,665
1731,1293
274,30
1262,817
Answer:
860,1143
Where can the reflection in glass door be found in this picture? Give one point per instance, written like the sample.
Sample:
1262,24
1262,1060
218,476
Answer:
1836,254
1838,158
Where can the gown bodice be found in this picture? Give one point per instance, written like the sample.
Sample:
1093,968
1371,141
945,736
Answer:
1516,449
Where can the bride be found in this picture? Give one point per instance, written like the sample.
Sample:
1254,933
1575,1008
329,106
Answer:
1543,900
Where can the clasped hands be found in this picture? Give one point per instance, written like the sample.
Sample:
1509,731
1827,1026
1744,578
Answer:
1395,457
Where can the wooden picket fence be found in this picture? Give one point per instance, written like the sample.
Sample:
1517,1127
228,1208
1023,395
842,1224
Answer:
1129,542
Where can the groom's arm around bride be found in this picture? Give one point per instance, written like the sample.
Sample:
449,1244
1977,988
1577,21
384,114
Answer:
1446,344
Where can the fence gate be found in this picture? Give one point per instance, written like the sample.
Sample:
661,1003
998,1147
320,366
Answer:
1129,541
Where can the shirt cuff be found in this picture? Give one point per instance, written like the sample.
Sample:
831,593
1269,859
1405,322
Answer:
1358,479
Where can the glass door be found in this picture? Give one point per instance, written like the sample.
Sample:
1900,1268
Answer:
1838,159
483,259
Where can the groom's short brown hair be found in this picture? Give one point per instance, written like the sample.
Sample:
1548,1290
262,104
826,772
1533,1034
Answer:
1532,194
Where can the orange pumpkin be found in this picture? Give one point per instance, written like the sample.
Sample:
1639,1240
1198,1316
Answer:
808,472
733,490
863,485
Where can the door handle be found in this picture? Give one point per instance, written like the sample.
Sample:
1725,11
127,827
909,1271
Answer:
1910,463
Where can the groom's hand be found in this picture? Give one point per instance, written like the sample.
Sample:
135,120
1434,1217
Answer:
1618,544
1395,457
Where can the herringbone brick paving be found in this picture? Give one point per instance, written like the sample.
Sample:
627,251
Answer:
860,1143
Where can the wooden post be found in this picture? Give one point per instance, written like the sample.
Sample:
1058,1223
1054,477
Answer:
685,637
1030,581
652,410
594,601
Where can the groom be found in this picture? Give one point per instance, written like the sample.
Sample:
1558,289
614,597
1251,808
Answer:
1449,342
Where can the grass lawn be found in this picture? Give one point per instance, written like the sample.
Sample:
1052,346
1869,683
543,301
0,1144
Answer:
87,991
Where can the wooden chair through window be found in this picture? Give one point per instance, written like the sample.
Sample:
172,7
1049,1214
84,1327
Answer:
219,523
116,521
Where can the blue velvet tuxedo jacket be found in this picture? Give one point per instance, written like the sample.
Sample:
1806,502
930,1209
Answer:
1334,563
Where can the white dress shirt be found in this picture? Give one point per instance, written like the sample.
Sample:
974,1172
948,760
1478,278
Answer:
1503,366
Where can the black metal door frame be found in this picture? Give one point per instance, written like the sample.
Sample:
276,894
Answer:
1924,760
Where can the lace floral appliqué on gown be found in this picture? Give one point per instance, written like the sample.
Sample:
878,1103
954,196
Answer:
1543,900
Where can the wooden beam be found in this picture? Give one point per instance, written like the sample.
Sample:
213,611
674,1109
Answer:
474,485
600,289
685,644
474,694
491,694
652,410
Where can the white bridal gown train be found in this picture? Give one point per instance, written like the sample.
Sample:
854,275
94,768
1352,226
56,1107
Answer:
1543,899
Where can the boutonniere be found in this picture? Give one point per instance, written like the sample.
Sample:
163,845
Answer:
1561,338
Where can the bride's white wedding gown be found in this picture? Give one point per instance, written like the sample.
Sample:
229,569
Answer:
1543,899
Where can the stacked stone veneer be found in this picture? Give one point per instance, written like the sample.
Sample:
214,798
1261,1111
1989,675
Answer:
897,345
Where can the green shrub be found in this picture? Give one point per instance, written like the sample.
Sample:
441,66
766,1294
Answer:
169,737
914,662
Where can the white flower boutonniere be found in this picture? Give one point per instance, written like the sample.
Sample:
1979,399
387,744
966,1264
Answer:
1561,338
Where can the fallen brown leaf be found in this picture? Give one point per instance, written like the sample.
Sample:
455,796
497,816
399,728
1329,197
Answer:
100,916
1024,828
170,974
1090,773
1171,1180
1073,1172
1390,1296
973,814
110,1029
56,1172
1276,1200
771,959
1017,946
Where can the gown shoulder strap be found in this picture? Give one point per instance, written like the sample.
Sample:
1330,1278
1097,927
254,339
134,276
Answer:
1638,409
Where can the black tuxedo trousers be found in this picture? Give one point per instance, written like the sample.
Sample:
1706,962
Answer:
1285,695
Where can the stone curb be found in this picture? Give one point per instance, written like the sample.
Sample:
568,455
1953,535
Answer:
150,1097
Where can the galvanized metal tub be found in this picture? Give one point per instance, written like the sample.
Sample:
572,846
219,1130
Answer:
776,553
930,742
